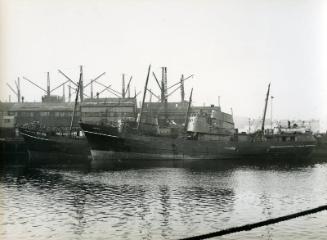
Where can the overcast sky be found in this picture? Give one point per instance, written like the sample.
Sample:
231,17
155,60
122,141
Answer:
234,48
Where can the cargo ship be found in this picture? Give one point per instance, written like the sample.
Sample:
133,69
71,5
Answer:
202,138
109,144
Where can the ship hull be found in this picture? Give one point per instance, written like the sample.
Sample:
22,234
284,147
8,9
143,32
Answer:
320,151
55,149
106,145
12,151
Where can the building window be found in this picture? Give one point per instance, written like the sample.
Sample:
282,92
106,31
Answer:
26,114
13,114
44,114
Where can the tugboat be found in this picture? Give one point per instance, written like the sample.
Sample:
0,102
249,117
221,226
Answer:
201,139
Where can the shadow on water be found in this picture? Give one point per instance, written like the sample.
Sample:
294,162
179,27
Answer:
212,165
202,165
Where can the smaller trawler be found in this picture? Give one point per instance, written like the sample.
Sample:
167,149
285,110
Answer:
46,146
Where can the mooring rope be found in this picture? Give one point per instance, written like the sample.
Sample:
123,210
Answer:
248,227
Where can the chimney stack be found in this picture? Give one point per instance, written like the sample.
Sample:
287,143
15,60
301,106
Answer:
163,84
69,92
123,86
18,89
63,93
48,84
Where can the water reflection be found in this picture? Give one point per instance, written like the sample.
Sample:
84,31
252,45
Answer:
215,165
156,203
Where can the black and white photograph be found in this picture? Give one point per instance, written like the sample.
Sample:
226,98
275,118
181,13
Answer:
163,119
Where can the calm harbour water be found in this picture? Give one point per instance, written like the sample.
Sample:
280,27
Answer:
161,202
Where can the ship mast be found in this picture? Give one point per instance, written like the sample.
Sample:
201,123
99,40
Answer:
17,92
48,84
144,94
182,89
76,99
188,111
81,84
127,91
265,110
164,94
18,89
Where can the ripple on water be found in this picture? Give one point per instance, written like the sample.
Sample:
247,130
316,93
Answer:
161,203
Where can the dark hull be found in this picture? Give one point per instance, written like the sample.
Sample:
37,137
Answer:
55,149
107,145
320,151
13,151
